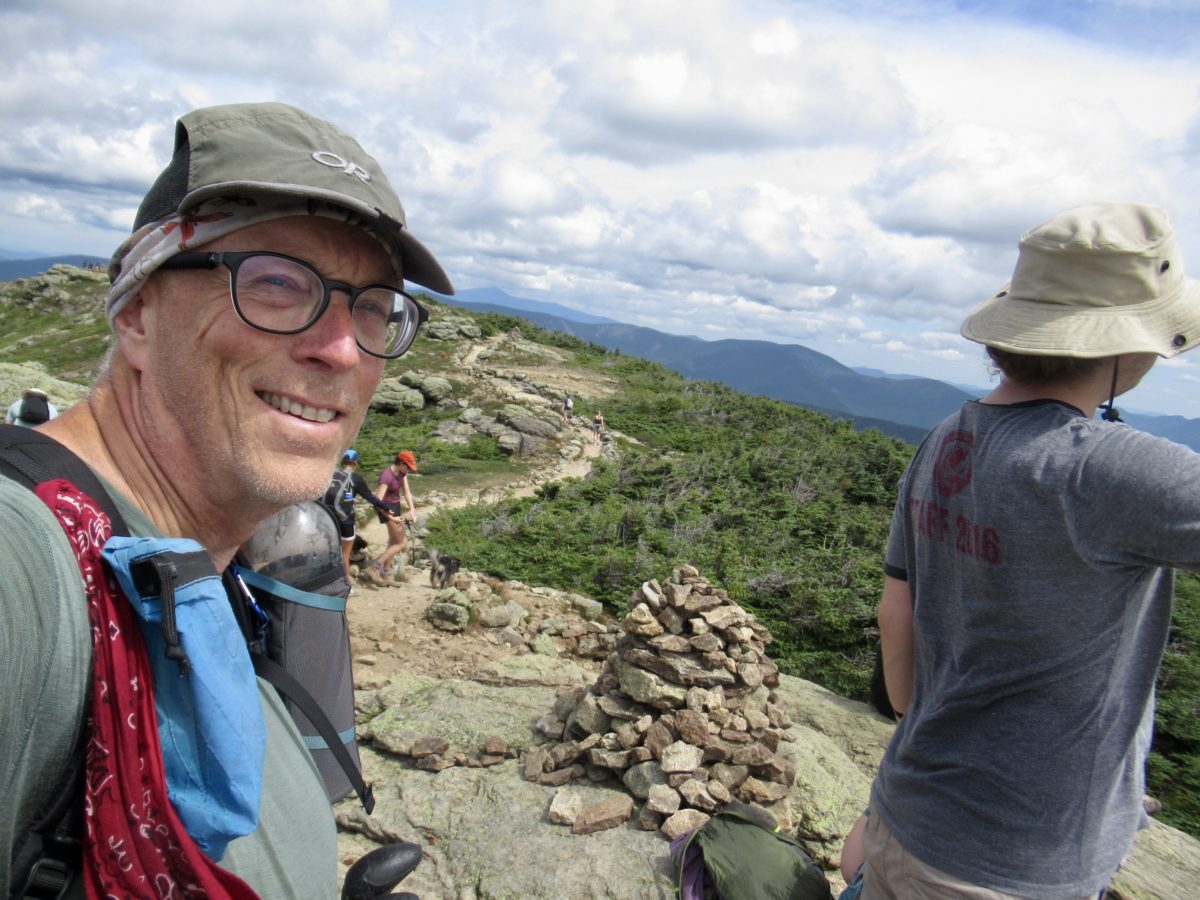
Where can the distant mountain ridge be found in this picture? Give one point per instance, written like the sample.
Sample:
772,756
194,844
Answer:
902,406
477,297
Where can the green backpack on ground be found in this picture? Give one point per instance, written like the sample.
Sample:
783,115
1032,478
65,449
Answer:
742,854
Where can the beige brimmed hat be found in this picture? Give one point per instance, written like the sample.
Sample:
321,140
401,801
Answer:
1095,281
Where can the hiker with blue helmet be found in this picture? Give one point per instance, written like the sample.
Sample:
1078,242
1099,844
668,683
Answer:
352,485
1029,580
253,309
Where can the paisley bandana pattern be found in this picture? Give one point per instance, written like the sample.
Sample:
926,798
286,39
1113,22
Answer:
134,844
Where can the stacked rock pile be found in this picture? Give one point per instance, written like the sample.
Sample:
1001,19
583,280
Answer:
683,712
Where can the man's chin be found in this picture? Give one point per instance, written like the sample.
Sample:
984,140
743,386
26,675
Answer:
292,483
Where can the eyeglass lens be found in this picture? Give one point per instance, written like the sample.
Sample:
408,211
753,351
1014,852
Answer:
284,295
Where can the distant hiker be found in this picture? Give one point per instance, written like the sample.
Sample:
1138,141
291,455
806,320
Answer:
568,408
393,483
345,485
253,310
1028,589
597,427
31,410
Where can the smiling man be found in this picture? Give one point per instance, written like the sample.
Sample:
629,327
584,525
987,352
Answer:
253,309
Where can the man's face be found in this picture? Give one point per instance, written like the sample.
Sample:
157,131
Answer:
240,415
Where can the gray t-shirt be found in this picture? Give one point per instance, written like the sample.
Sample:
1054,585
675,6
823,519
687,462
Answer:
1036,544
45,659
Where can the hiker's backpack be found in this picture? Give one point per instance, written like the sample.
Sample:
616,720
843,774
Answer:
339,496
34,410
742,854
293,566
50,848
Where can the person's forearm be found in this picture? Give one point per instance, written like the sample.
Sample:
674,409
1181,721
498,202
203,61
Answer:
896,636
361,490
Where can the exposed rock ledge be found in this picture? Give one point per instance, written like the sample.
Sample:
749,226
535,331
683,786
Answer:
486,831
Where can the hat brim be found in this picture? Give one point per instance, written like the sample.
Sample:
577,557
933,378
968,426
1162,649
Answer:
420,266
1167,325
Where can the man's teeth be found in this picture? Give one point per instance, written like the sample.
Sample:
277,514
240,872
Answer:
287,405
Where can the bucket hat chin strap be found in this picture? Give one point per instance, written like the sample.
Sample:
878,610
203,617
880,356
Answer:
1111,413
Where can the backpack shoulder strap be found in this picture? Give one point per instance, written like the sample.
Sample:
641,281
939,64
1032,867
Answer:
280,679
31,458
46,855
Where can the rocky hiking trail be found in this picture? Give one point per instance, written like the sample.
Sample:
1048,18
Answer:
531,744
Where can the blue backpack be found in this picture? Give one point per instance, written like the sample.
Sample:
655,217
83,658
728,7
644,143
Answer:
46,854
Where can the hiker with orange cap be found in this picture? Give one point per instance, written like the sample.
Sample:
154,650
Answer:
1029,579
393,482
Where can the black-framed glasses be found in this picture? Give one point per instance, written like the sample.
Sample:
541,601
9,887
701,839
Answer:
284,295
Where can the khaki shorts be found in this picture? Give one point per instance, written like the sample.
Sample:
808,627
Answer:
892,873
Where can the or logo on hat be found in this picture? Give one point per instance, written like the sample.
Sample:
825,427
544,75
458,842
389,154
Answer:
952,471
331,159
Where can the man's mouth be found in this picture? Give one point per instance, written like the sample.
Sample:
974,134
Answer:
296,408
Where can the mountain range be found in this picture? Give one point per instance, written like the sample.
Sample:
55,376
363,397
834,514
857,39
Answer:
902,406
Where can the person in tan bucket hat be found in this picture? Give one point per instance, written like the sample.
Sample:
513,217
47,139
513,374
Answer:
1029,580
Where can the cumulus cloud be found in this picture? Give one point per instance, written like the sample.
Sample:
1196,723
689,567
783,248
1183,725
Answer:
850,175
739,85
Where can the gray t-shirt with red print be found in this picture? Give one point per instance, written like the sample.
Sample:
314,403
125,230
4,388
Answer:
1037,545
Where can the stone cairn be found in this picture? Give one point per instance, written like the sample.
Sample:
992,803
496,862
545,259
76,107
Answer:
682,713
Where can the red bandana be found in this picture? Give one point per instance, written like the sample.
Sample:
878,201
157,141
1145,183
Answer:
135,845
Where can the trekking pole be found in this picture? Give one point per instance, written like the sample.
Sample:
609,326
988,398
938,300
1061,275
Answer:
412,543
381,870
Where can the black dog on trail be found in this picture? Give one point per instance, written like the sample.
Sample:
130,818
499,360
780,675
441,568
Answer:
443,569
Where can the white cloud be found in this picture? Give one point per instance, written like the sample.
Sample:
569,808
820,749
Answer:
850,175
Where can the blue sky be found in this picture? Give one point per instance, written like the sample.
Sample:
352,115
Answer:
852,176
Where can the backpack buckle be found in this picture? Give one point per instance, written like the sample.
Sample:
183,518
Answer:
48,880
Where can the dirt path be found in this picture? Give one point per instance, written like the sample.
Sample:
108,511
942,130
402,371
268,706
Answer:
476,349
389,634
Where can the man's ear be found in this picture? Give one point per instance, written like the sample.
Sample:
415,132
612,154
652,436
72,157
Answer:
132,327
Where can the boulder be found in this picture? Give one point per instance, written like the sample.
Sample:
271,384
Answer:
435,388
509,442
392,396
681,757
640,779
448,616
500,616
607,813
587,607
454,433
